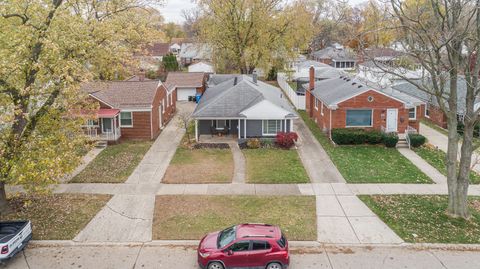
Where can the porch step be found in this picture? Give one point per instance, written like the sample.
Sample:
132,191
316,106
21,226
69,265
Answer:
402,143
101,144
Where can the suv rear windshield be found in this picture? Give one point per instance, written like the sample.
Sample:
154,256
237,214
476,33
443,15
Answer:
282,241
226,236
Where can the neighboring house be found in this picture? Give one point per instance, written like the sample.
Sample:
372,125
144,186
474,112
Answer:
336,56
194,52
204,67
379,73
152,56
432,110
129,109
322,71
347,103
187,85
243,107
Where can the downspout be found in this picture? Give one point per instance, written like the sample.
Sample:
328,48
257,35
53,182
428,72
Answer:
330,125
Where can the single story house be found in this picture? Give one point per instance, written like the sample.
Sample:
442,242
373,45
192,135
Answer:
152,55
432,110
129,109
336,56
204,67
322,71
243,107
344,102
187,85
194,52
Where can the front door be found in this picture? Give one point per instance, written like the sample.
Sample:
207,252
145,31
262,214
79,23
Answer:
392,120
107,125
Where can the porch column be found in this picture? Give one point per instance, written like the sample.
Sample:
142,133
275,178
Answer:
114,127
239,124
245,129
285,126
196,130
291,125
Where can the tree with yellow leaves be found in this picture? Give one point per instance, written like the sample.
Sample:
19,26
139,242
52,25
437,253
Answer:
47,48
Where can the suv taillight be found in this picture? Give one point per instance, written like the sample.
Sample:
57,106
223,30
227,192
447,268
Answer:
4,250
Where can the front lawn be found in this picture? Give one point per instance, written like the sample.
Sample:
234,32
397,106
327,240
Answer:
368,163
422,219
274,166
58,216
200,166
114,164
437,159
191,217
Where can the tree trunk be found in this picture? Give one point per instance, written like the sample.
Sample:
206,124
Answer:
3,199
454,203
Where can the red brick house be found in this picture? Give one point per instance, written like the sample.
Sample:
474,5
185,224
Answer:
129,109
188,85
347,103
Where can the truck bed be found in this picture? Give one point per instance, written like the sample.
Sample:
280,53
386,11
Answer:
8,230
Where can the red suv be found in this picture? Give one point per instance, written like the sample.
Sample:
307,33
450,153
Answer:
244,246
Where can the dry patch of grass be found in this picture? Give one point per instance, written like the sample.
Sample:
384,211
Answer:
114,164
191,217
274,166
423,218
200,166
58,216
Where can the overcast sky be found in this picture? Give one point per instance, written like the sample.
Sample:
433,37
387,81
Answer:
172,10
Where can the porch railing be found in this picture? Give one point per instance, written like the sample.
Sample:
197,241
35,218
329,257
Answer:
93,133
410,130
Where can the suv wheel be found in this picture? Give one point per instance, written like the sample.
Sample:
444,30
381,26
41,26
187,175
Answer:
215,265
274,265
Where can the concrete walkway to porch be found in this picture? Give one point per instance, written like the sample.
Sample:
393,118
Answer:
424,166
128,217
318,164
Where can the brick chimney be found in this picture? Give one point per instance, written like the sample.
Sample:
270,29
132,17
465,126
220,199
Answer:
141,75
311,85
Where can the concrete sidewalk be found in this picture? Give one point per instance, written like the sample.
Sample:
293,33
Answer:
425,167
184,257
239,163
316,161
129,217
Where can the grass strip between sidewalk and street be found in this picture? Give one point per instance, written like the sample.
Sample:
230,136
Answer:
56,216
274,166
437,158
115,163
191,217
423,218
368,163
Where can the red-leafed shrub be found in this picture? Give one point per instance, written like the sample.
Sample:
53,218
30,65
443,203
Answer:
286,140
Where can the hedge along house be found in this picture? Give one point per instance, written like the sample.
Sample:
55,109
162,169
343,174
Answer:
243,107
346,103
129,109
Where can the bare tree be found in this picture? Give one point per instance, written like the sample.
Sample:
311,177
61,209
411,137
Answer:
184,122
444,38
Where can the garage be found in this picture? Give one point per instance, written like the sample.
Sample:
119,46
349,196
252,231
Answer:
184,93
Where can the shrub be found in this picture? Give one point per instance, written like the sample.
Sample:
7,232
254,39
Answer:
254,143
267,143
351,136
416,140
286,140
390,140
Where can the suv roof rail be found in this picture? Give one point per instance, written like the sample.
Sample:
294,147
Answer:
257,235
264,224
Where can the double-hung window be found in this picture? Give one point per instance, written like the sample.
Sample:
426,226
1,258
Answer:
126,119
427,110
316,104
412,113
271,127
359,118
321,108
163,105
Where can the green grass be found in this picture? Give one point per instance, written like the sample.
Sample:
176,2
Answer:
422,219
191,217
58,216
200,166
368,163
437,159
293,85
114,164
273,166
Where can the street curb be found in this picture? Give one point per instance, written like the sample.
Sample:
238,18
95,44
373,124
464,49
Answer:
293,244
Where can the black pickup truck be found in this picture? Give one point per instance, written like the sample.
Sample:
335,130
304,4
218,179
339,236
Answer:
14,236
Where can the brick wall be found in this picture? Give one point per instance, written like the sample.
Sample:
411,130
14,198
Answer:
437,116
141,126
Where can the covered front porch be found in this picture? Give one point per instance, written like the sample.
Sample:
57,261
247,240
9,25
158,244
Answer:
239,128
105,126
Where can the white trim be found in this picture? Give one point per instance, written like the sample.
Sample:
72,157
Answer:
196,130
245,129
366,90
321,108
415,111
362,126
426,108
316,103
216,124
163,105
136,110
131,118
151,124
276,127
